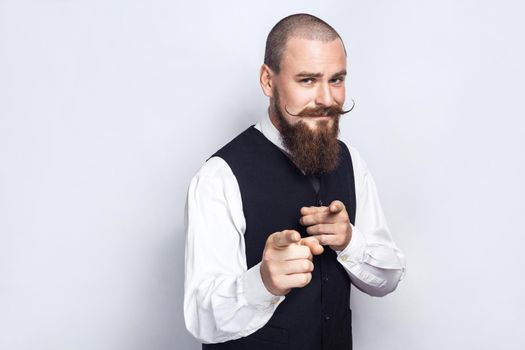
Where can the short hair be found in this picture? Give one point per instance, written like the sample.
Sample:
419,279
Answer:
300,25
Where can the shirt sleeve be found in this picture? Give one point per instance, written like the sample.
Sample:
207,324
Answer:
223,300
373,261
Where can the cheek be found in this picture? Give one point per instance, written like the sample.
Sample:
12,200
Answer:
339,95
300,98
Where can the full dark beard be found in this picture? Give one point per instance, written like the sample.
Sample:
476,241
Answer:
315,152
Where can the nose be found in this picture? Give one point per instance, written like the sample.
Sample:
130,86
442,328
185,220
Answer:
324,95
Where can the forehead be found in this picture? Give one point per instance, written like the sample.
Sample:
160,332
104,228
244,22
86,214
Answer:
313,56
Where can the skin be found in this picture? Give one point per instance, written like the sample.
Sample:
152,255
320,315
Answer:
287,261
312,74
329,225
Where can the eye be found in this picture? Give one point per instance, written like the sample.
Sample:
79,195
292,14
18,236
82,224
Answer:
337,81
307,81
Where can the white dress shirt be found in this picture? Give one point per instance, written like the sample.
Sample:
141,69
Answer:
223,300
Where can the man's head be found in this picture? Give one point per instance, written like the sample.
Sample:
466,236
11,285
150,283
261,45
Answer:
303,74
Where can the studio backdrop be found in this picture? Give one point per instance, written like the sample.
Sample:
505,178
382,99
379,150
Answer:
108,108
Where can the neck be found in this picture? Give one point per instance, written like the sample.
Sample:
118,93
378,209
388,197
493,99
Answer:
273,118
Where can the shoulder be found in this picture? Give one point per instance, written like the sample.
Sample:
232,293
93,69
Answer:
238,145
214,167
214,181
356,156
360,168
358,163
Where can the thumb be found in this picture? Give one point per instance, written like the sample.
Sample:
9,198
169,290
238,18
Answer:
336,207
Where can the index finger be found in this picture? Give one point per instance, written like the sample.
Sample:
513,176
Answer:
284,238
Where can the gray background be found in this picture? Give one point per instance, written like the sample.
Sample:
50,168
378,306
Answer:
107,108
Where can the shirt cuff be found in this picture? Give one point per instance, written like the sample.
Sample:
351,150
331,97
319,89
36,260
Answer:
355,250
255,292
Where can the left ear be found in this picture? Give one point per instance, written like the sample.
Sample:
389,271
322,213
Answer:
266,76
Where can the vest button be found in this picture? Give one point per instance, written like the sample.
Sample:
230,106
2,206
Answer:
325,278
327,318
320,203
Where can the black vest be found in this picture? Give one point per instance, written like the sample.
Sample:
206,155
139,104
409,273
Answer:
273,190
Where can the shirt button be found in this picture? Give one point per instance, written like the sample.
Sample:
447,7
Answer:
344,257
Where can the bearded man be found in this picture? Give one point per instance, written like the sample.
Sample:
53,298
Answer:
285,217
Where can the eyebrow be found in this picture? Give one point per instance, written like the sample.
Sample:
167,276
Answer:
319,75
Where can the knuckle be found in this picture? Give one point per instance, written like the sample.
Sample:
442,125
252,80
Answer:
305,265
267,255
308,266
311,266
305,279
274,280
271,268
305,252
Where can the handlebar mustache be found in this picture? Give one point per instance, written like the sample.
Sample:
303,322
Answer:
332,111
